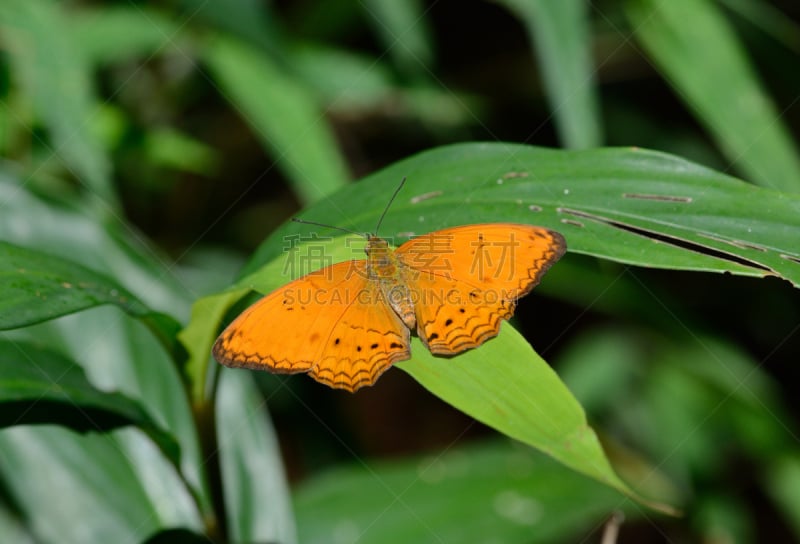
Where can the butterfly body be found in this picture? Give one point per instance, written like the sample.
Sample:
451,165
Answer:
384,267
348,323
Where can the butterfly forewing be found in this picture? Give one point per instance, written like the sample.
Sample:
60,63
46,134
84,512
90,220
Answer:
466,280
330,323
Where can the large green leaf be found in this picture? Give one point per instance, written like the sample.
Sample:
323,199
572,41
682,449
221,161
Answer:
77,234
116,351
42,386
283,114
507,386
562,40
118,354
75,489
492,492
36,286
628,205
693,44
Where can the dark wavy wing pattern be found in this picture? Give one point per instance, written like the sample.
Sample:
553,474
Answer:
466,280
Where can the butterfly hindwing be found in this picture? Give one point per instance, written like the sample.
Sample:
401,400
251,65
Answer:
329,323
466,280
366,340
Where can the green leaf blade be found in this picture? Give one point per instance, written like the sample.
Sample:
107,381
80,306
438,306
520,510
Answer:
283,114
560,34
120,33
38,287
492,491
256,491
703,60
507,386
38,461
39,386
632,206
403,29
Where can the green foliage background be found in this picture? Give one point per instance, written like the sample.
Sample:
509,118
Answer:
152,153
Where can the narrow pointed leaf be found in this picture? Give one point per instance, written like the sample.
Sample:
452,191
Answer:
37,287
282,113
562,42
38,386
702,58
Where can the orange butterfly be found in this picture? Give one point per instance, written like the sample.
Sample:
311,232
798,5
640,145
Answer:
347,323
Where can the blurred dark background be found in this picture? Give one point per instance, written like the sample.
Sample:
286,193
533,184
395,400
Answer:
194,176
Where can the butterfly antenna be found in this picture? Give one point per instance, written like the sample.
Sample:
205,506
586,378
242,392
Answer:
386,209
298,220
